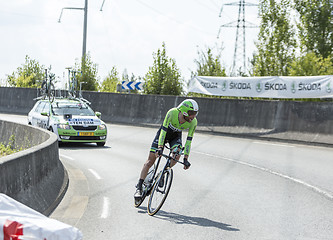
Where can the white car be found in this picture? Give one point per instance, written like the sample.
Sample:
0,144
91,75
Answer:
71,119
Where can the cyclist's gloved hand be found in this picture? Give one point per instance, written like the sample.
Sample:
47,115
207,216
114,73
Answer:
159,151
187,164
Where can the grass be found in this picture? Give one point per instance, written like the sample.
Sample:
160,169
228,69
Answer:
9,148
6,150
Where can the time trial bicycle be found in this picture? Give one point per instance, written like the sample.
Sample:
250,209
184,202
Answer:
157,185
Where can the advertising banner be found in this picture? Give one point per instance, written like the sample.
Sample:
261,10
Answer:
264,87
19,222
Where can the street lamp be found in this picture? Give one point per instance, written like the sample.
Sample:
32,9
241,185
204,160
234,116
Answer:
85,9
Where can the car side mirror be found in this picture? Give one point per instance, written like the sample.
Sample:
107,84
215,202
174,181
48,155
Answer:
98,114
44,114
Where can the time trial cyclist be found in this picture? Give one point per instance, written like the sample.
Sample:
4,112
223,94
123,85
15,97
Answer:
176,120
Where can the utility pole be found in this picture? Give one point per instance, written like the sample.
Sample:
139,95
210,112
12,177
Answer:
102,6
240,43
85,32
85,21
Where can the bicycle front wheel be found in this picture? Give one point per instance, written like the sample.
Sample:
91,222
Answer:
160,191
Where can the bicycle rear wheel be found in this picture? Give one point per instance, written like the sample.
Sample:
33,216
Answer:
160,192
147,186
51,93
43,90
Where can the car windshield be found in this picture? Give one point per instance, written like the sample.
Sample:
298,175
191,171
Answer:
62,108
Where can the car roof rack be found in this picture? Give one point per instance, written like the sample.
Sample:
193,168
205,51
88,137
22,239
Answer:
62,94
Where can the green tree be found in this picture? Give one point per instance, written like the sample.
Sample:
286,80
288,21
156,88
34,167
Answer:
311,65
86,73
124,76
110,82
29,75
315,26
208,65
164,76
276,44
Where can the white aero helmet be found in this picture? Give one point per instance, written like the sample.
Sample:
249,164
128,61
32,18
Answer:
188,107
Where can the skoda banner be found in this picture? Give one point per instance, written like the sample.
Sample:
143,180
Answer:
264,87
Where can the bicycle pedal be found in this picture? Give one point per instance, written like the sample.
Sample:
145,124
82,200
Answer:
136,199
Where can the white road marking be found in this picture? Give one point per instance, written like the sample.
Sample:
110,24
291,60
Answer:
314,188
64,156
77,174
93,172
105,211
73,207
76,207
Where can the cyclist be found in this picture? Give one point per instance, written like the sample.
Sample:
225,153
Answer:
176,120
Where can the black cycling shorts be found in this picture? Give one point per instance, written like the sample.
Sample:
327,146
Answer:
172,138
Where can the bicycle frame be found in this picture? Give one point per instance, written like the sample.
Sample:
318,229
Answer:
162,183
167,164
72,83
148,184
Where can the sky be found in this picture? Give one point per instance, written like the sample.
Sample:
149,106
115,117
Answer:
125,34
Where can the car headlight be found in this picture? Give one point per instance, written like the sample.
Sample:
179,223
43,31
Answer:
102,127
63,126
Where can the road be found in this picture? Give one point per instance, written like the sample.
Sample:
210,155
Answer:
235,189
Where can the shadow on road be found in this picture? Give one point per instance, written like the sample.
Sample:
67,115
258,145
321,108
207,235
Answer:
80,146
183,219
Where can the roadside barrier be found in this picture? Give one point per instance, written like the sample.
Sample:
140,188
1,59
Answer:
306,122
34,176
296,121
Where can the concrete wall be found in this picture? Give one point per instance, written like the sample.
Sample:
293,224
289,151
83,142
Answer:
35,176
288,120
17,100
310,122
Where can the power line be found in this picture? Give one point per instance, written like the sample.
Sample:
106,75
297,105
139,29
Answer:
173,19
207,6
26,15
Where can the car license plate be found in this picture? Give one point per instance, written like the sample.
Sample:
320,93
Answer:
86,134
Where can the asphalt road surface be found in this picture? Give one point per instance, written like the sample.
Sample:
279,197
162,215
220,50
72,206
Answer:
235,189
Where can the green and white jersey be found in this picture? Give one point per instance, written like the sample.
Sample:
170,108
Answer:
171,122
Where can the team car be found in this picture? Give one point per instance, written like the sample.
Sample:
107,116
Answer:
72,120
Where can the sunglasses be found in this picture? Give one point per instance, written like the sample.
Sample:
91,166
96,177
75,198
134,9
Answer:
191,112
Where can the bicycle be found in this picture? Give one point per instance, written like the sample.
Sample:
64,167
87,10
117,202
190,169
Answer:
47,88
72,83
157,186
